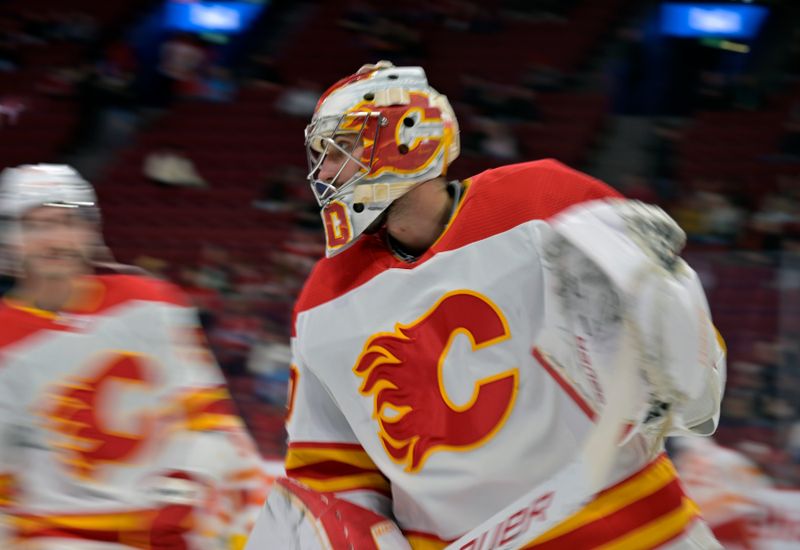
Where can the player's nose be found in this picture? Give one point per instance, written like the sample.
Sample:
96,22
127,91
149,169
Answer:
330,167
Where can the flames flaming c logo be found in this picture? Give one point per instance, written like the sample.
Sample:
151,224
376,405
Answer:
76,415
403,371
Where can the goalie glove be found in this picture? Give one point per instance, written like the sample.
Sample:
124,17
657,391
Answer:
625,253
656,234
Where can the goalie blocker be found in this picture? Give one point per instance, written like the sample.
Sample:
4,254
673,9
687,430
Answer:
296,517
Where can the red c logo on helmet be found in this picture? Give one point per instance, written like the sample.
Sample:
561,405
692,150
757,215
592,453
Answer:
409,140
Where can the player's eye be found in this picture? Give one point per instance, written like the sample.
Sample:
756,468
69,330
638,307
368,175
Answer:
343,143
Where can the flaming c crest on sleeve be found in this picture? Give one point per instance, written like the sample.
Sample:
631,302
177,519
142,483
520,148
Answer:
402,370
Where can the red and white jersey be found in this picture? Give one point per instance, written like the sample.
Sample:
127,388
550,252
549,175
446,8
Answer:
116,428
728,488
429,386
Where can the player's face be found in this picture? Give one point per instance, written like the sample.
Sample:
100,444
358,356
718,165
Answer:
55,242
336,160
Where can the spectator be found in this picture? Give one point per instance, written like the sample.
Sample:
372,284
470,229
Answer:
793,441
299,100
725,221
521,105
155,267
789,144
465,16
215,268
637,187
218,85
360,16
181,59
269,362
10,110
713,93
170,166
208,301
275,195
747,93
234,334
690,215
63,81
91,100
263,73
10,57
776,212
498,141
77,27
543,78
389,39
665,140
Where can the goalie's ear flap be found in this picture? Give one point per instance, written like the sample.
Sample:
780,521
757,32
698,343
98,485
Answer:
296,516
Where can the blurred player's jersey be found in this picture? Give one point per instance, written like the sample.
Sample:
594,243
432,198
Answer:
727,487
117,428
429,382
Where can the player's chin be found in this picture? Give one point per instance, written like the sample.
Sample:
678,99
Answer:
56,267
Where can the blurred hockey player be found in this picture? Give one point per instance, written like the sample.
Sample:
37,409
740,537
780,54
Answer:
726,486
457,348
116,430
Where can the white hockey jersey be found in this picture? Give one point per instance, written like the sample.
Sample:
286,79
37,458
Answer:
429,387
116,430
728,488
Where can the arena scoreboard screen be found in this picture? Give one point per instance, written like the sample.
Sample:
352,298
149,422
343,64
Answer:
712,20
211,17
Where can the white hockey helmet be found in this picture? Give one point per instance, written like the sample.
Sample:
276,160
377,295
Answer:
29,186
409,135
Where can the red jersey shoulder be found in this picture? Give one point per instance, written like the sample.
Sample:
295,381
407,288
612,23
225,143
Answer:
534,190
102,294
119,289
502,198
16,325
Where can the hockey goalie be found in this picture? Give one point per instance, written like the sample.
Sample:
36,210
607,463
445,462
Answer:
116,430
487,363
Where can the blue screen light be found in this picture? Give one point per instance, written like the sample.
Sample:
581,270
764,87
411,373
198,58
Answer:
737,21
211,17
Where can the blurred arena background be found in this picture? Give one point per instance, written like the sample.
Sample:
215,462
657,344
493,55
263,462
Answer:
188,115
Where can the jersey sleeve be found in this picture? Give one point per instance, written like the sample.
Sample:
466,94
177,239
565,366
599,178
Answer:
208,440
8,463
323,452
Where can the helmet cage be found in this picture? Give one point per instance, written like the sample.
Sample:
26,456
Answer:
320,137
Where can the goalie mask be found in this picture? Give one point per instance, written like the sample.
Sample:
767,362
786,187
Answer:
398,132
27,187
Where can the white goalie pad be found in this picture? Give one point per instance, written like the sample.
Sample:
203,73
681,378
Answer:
297,518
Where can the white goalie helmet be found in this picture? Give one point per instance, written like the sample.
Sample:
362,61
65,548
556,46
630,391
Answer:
406,132
29,186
